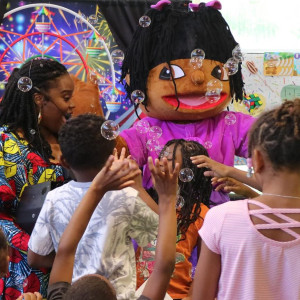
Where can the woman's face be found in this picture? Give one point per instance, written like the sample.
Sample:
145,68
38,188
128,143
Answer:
191,87
58,103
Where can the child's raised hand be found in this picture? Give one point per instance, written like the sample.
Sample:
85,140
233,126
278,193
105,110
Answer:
229,184
164,179
203,161
115,177
30,296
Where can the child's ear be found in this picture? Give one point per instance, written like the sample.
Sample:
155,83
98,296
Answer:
63,162
258,161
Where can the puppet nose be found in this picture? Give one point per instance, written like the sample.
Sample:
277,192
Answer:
197,77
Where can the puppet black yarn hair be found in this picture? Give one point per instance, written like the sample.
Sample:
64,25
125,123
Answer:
173,34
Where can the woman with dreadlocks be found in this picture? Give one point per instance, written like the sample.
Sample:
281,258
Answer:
250,248
192,206
177,59
35,104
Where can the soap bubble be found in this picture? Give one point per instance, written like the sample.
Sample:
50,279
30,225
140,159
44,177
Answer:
32,131
186,175
117,56
207,144
152,145
214,88
155,132
145,21
24,84
165,153
137,96
106,97
158,149
179,202
110,130
230,119
197,57
142,126
93,19
237,53
198,53
232,66
93,77
212,96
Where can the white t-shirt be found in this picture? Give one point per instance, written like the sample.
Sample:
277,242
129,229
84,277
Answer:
252,265
106,247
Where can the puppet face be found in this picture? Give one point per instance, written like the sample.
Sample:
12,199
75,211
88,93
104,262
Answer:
191,87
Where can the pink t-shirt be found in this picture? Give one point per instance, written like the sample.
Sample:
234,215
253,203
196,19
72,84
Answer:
224,136
252,265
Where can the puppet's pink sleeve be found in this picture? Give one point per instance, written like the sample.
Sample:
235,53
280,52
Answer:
136,144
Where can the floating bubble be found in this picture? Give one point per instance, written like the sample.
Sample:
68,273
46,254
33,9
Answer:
165,153
24,84
145,21
207,144
212,96
198,53
142,126
153,145
155,132
158,150
179,202
186,175
106,97
232,66
117,56
230,119
137,96
93,19
110,130
214,88
32,131
237,54
93,77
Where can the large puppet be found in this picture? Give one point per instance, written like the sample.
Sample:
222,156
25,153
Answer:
179,69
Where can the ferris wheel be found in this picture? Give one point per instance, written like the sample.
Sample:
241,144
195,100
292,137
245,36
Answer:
81,43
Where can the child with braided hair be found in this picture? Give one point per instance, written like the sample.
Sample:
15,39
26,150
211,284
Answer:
250,248
36,102
191,210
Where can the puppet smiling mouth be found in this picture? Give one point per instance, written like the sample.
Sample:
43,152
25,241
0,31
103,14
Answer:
194,101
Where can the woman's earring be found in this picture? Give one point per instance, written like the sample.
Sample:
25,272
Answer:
250,167
39,117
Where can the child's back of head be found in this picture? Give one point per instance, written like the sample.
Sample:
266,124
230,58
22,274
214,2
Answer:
92,287
82,144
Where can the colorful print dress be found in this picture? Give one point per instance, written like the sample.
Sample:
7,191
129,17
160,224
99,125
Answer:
19,167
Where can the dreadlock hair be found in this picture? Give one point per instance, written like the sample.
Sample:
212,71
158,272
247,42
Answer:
194,192
18,109
173,34
91,287
82,143
277,133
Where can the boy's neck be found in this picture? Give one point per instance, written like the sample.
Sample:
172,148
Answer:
85,175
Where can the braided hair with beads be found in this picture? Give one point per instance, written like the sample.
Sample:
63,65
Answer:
277,133
195,192
18,109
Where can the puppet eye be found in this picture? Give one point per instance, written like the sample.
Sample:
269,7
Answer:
220,73
165,73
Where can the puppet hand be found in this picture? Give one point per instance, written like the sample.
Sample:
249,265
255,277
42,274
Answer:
115,178
160,4
30,296
165,180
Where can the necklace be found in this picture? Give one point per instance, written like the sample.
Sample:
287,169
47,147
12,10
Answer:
283,196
